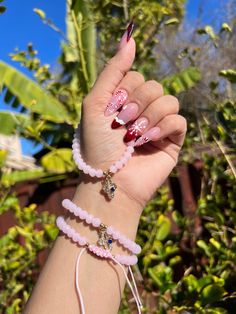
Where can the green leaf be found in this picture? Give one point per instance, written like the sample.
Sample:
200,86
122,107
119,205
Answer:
202,245
229,74
11,178
51,231
3,157
208,30
212,293
58,161
172,21
182,81
9,121
163,225
87,31
30,94
226,27
40,13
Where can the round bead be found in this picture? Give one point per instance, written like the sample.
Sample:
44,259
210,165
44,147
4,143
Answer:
130,149
89,219
113,169
110,230
116,235
86,169
82,241
118,164
96,222
83,214
99,173
92,172
74,237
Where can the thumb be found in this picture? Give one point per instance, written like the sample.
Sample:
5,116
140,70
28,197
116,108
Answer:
116,68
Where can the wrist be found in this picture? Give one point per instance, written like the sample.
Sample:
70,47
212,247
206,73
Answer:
122,212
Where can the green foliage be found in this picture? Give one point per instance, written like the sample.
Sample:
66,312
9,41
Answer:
19,247
182,81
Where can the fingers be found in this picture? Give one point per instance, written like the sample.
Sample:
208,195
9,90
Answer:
126,87
152,114
172,126
137,101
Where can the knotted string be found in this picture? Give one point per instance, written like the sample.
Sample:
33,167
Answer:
134,289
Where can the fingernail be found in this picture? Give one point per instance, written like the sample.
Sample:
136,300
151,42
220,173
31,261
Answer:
127,114
148,136
127,35
118,99
136,129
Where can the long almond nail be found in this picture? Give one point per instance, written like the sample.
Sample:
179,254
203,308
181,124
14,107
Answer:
148,136
127,114
117,100
127,35
136,129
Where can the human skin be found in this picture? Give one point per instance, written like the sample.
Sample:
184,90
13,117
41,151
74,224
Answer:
102,282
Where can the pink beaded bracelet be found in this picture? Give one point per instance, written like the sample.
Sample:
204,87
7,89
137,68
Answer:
82,241
109,187
96,222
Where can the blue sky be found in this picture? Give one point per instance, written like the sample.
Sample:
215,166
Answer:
20,25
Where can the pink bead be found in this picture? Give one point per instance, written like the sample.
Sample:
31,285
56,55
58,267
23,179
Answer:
127,155
118,165
81,165
99,173
116,235
89,219
65,203
83,214
92,172
86,169
82,241
113,169
130,149
74,237
138,249
121,239
110,230
68,231
96,222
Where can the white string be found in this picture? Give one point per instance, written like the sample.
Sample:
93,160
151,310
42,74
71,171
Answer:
133,290
135,293
77,281
135,287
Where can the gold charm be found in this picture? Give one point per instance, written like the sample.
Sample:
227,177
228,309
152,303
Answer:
108,186
104,239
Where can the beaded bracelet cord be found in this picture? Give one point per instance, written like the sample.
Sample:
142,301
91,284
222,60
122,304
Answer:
106,234
108,187
102,253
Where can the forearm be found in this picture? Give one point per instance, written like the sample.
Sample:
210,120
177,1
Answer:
101,282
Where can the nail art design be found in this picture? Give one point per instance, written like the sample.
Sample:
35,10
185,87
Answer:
148,136
127,114
136,129
130,30
127,35
117,100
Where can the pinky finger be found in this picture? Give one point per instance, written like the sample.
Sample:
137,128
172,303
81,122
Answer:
173,127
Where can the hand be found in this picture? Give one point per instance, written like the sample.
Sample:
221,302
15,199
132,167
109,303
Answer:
102,145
